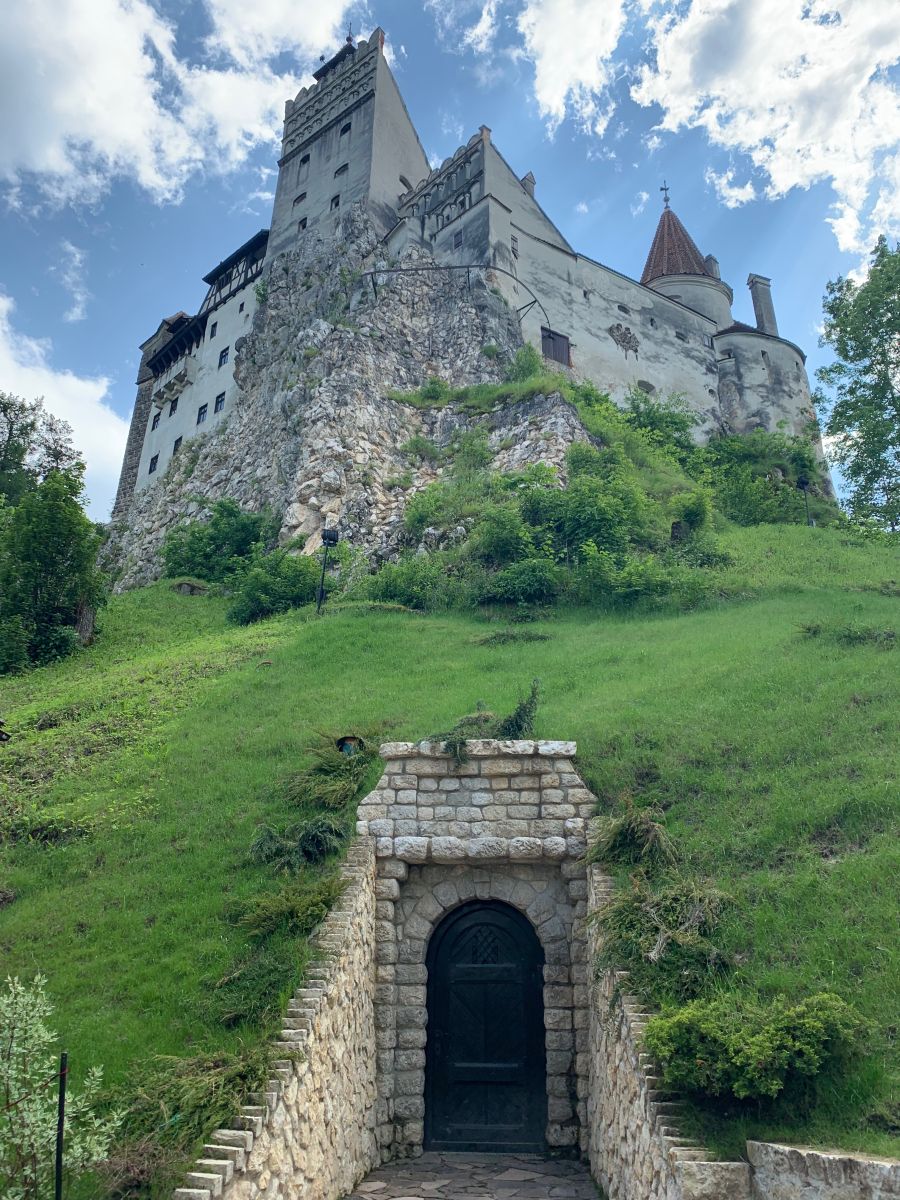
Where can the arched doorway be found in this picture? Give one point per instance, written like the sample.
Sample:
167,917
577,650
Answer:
485,1067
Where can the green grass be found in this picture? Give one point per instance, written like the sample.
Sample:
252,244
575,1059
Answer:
774,753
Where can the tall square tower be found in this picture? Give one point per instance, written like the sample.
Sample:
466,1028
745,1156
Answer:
346,138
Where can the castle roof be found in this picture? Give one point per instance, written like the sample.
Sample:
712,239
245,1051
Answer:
674,251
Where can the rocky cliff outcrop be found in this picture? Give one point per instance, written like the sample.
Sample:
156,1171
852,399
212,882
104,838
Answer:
314,434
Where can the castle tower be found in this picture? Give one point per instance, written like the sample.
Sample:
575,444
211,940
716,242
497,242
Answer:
676,268
347,138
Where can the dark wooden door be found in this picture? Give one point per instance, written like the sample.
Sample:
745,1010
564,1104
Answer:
485,1072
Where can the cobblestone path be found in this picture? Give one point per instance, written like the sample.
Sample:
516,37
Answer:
478,1177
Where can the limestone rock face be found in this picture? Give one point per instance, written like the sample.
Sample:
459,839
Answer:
314,434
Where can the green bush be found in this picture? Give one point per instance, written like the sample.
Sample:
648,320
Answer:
662,936
634,836
295,909
501,536
422,448
213,549
531,581
736,1048
526,365
272,583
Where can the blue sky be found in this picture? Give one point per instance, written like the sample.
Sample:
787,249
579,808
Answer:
139,137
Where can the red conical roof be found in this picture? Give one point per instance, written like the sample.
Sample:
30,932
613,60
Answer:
673,252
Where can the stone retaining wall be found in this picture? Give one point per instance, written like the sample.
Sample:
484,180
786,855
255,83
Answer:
795,1173
635,1148
311,1135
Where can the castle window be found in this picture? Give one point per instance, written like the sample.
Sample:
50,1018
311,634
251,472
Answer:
155,421
301,224
682,337
405,184
335,202
220,402
345,129
342,170
303,168
201,413
457,239
514,245
765,357
299,199
653,322
241,309
153,464
176,446
212,330
646,387
223,356
555,346
626,311
173,407
707,341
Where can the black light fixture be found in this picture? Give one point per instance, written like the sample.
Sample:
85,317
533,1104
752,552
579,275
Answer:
330,537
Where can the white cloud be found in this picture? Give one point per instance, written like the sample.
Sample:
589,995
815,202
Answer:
639,203
480,36
799,86
94,91
571,47
100,434
732,194
70,271
452,127
582,207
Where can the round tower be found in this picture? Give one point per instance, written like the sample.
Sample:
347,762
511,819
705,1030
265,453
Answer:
676,268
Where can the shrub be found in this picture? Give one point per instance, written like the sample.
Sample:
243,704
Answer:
213,549
667,422
531,581
637,835
501,536
272,583
730,1047
296,909
422,448
520,722
526,365
28,1062
484,724
330,779
490,350
309,841
693,509
662,937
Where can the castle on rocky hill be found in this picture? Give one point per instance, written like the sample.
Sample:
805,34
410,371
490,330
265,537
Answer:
362,225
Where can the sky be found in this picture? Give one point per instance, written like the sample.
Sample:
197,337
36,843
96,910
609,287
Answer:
138,143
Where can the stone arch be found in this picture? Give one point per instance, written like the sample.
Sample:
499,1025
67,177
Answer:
549,900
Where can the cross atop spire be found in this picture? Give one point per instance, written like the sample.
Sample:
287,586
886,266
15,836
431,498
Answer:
665,191
350,33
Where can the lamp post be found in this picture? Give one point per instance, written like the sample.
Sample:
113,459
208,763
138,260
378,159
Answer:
329,538
803,485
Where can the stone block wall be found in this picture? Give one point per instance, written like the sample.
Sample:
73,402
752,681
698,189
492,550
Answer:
311,1134
795,1173
635,1149
509,824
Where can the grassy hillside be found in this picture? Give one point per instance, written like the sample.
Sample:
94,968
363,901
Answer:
765,726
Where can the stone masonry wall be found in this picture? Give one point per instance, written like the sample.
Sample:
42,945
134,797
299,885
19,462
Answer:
311,1135
634,1146
509,824
795,1173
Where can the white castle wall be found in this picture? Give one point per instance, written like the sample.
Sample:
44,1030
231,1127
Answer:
232,320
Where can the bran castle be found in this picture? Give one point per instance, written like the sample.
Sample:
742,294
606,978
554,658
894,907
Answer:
453,241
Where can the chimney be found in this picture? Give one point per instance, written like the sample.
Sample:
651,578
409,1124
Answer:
761,295
528,181
712,266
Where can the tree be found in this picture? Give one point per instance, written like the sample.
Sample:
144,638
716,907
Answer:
862,327
48,572
28,1075
18,428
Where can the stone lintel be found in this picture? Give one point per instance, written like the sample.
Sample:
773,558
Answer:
480,748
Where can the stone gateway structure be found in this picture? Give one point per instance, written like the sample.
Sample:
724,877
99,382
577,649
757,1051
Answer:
454,1007
379,272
